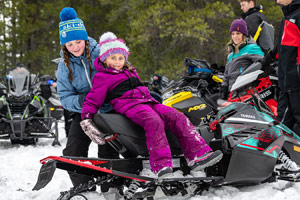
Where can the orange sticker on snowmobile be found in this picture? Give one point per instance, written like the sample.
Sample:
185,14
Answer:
296,148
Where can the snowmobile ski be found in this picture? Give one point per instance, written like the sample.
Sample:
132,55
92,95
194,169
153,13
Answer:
150,186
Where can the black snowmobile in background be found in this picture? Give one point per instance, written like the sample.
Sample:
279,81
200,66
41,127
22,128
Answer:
252,143
24,114
197,70
196,94
159,84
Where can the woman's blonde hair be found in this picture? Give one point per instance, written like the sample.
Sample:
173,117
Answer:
231,44
66,61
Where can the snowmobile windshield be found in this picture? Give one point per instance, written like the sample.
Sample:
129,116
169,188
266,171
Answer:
19,81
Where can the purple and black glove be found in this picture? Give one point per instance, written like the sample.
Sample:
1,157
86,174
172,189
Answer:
91,130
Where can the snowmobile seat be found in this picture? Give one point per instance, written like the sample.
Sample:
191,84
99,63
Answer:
110,123
129,134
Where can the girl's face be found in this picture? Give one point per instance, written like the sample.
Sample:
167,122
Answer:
76,47
116,61
237,37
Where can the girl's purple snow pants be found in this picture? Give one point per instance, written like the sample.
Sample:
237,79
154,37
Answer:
155,118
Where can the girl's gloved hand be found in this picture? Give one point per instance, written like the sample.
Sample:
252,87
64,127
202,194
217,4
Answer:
91,130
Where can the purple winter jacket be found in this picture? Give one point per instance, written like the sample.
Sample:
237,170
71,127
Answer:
104,81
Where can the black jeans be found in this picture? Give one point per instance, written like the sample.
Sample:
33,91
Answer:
78,145
288,110
68,120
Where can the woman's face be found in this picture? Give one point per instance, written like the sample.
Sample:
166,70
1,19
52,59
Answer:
76,47
237,37
116,61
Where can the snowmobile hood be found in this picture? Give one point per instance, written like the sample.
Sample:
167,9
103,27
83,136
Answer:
244,113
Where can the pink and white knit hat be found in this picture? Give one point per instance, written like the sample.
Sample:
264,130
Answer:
110,44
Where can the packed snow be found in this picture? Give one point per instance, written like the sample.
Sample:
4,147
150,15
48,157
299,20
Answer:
20,168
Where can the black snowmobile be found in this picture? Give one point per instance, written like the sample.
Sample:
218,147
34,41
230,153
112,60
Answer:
24,115
197,71
196,94
251,141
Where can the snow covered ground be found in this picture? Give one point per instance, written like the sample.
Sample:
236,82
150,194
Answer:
19,168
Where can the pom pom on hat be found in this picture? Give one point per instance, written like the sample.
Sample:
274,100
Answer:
67,14
107,36
71,27
110,44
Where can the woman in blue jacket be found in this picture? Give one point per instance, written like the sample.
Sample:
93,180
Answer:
74,74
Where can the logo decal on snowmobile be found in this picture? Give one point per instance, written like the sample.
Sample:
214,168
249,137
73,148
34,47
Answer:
199,107
228,129
265,94
248,116
296,148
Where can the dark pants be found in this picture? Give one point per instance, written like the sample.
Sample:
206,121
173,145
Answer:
78,145
289,110
68,120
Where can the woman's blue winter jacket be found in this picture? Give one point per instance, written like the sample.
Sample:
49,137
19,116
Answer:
68,93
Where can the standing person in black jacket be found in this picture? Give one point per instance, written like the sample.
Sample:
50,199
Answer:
288,54
252,15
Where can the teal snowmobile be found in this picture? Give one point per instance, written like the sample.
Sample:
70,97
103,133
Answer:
256,148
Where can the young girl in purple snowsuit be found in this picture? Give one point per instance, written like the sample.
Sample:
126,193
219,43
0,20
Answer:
120,84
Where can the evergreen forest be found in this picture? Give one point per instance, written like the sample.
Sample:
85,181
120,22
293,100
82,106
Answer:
159,33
